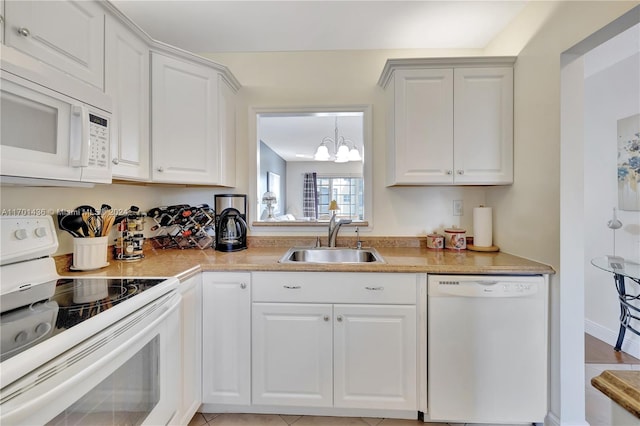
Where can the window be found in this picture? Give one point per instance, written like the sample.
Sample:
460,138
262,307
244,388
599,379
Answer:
348,193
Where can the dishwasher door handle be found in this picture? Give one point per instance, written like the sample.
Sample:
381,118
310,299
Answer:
486,282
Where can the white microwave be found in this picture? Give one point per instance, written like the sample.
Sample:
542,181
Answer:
48,136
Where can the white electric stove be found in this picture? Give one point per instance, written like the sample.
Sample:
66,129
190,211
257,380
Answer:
75,349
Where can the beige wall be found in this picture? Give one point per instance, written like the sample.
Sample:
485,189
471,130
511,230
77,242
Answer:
529,211
332,78
526,214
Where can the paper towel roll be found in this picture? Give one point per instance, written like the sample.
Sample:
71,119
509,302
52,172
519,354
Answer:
482,227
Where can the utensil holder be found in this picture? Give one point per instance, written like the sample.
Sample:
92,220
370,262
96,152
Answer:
89,253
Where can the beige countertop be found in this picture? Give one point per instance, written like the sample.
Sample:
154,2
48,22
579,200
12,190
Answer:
622,386
184,263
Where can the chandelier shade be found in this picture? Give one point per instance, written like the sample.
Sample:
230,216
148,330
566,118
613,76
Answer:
344,149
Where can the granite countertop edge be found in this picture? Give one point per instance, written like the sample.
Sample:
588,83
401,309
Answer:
184,264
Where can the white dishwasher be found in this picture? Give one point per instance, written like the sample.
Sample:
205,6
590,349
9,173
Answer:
487,348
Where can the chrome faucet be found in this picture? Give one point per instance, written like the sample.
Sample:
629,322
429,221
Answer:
334,227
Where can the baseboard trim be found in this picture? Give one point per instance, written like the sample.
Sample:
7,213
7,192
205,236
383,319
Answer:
631,344
309,411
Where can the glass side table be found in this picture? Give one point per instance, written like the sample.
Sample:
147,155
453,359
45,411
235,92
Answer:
621,269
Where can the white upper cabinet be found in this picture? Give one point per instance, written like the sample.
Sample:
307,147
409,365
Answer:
424,123
1,21
127,82
483,125
449,121
189,115
226,133
66,34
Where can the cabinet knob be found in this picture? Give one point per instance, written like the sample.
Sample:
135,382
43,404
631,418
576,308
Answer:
160,169
326,317
449,172
460,172
24,31
339,318
115,161
243,285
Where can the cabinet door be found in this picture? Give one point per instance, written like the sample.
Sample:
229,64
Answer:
227,133
191,323
66,34
2,26
423,142
226,338
483,129
127,81
184,121
292,354
375,357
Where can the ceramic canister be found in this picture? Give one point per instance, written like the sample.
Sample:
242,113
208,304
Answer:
455,238
435,241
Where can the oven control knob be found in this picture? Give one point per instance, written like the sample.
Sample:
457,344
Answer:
21,337
21,234
43,328
41,232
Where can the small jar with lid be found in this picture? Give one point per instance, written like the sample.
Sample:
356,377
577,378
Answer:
455,238
435,241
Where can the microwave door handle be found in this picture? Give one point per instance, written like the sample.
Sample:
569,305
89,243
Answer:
80,139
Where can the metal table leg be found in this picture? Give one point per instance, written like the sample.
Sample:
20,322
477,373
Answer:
626,309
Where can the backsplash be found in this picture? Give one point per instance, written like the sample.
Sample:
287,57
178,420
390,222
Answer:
404,211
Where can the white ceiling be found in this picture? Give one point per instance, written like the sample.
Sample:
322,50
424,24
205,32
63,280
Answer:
202,26
295,138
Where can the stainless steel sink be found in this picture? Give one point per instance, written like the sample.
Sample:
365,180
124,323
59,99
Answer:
331,255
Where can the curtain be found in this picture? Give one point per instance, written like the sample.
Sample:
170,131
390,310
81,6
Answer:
310,196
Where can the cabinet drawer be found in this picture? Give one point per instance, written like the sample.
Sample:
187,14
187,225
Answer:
331,287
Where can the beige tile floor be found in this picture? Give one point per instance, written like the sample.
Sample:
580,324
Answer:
205,419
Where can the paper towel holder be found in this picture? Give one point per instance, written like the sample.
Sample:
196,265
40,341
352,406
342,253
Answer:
492,248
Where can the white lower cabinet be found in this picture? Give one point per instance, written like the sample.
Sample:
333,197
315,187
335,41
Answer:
337,352
374,357
292,354
190,326
226,338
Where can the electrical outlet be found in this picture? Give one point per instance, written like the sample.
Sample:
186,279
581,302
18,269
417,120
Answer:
457,207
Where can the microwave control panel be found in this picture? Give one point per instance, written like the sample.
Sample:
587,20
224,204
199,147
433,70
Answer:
99,136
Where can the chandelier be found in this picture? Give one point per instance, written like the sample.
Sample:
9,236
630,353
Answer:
344,150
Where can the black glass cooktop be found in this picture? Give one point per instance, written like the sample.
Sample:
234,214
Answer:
74,300
81,299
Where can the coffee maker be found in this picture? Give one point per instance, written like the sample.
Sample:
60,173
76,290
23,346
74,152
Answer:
231,222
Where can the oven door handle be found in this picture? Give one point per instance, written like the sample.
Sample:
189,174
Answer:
47,391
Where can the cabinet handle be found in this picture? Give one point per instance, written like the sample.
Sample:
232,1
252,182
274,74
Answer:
24,31
326,317
1,19
375,288
449,172
115,161
160,169
243,285
339,318
460,172
292,287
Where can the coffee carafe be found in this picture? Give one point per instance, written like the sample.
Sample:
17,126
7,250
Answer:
231,224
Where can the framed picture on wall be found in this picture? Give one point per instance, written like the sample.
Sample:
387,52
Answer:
273,185
629,163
